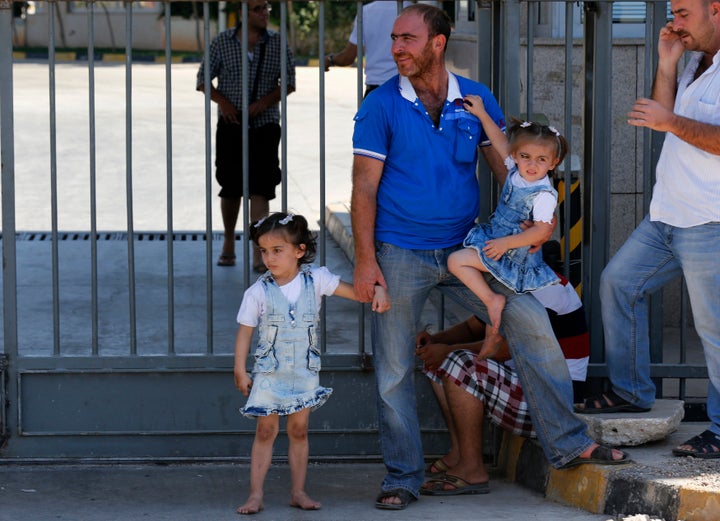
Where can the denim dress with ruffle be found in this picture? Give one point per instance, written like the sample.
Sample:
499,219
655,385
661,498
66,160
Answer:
517,269
287,357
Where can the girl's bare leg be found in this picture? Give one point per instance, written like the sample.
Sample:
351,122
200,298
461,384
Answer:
466,265
298,450
260,459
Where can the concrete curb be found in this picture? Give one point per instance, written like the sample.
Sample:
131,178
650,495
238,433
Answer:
606,489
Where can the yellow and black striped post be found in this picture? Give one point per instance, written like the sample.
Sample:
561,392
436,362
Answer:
574,254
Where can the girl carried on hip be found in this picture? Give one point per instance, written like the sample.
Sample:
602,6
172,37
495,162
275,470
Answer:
501,247
284,305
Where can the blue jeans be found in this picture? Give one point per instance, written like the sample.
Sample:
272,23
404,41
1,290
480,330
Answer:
410,275
654,254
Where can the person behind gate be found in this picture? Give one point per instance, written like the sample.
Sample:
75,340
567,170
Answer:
264,94
284,304
414,199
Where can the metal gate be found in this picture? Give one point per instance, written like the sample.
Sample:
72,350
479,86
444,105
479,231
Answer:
118,334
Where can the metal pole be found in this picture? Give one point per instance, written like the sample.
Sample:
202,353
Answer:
169,184
129,178
9,251
93,184
597,122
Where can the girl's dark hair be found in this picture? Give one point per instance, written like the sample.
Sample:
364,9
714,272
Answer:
527,131
293,226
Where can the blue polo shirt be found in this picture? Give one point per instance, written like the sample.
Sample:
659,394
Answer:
428,197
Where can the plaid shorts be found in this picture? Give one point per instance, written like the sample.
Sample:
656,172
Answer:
494,384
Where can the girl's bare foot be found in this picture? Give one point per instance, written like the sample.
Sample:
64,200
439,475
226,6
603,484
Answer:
303,501
495,307
491,345
253,505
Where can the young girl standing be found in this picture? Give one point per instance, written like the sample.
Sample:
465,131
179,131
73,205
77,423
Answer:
284,304
501,247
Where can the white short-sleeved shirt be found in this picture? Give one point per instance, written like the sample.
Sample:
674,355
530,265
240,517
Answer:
253,303
687,189
378,20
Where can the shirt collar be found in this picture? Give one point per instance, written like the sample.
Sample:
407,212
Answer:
407,91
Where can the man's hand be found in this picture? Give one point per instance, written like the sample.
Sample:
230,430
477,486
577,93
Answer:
670,46
649,113
366,276
432,355
228,112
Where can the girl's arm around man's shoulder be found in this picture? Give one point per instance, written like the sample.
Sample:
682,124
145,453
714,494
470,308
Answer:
381,298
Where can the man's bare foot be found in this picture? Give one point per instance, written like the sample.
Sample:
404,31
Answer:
303,501
491,345
495,307
253,505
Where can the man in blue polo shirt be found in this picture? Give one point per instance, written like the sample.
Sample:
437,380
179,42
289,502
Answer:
414,198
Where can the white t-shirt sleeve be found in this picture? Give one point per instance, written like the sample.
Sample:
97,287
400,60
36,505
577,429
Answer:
325,282
252,306
544,207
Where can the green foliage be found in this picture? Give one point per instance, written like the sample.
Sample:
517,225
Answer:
193,10
305,18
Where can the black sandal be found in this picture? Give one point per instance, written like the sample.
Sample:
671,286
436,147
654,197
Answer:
403,495
607,402
601,455
704,446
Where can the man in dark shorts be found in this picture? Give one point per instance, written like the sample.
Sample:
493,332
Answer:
264,94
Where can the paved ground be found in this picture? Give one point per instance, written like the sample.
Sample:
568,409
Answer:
212,492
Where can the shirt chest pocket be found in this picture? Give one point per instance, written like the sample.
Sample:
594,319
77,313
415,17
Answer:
467,140
708,112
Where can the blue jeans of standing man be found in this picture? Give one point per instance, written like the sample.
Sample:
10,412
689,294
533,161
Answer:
410,276
654,254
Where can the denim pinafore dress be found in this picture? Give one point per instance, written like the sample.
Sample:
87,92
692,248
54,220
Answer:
287,357
517,269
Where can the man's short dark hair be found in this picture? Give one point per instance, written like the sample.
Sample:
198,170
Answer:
437,20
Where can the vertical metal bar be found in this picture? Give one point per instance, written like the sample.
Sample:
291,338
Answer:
485,64
322,245
129,179
569,14
652,143
360,51
283,105
683,336
532,10
208,177
9,246
93,182
511,55
169,184
245,148
53,182
597,122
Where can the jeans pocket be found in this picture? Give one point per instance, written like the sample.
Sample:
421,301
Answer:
265,359
313,361
381,249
